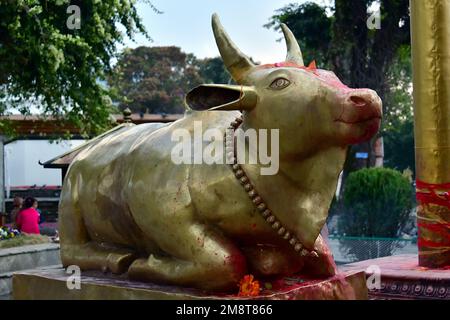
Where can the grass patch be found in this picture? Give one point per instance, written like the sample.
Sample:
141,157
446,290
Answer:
24,240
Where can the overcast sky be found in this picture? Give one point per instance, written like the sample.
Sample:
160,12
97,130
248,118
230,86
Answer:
187,24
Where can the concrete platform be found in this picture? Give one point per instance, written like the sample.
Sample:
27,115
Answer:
52,284
403,279
25,258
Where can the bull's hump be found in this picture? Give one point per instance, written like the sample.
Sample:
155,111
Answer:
116,144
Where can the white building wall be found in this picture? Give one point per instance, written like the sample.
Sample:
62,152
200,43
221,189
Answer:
22,158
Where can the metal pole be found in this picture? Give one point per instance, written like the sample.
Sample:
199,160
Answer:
2,175
430,27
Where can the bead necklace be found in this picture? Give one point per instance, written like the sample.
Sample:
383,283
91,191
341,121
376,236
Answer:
257,200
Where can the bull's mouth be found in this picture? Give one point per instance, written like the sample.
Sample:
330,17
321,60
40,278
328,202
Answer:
369,127
355,114
373,118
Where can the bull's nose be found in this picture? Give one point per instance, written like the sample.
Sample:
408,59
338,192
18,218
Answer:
363,98
360,105
358,101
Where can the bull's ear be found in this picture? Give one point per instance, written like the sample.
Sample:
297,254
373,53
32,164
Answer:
221,97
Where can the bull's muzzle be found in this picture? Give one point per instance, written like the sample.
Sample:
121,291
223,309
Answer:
361,105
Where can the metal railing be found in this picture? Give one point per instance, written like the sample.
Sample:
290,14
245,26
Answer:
352,249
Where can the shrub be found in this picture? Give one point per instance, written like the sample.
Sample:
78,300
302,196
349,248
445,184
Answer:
377,203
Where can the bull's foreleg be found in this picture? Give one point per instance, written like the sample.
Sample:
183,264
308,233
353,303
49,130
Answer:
198,257
323,265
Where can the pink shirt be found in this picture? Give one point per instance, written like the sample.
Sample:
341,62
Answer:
28,221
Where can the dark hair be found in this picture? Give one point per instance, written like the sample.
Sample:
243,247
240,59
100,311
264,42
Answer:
29,201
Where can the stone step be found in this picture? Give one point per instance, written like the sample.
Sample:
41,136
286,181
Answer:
29,257
6,280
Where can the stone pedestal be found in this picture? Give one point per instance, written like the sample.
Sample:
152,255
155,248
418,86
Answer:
31,257
52,284
403,279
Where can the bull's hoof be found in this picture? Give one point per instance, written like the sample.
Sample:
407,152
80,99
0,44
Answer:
119,263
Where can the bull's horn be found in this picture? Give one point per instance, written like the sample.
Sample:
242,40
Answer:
294,54
236,62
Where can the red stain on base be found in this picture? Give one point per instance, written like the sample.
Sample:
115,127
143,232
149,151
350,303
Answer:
238,263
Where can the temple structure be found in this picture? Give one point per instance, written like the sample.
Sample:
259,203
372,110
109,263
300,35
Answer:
430,23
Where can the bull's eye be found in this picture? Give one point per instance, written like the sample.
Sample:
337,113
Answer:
280,83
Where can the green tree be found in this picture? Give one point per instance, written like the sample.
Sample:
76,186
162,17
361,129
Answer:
338,38
154,79
212,70
399,146
398,122
311,26
48,62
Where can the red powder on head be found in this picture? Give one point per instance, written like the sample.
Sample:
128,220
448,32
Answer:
332,80
312,66
323,75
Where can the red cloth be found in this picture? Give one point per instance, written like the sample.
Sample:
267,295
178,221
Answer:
28,221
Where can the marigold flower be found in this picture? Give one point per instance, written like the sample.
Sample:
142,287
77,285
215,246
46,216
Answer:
248,287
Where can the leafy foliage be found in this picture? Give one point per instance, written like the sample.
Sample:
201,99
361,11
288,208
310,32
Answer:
399,146
377,203
311,26
61,70
398,122
338,38
154,79
212,70
362,56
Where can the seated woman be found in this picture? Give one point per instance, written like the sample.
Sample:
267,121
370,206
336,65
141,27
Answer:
28,218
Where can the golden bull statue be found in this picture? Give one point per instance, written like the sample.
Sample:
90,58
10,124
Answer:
127,207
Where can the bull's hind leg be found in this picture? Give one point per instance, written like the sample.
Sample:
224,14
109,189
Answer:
199,257
93,256
76,246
